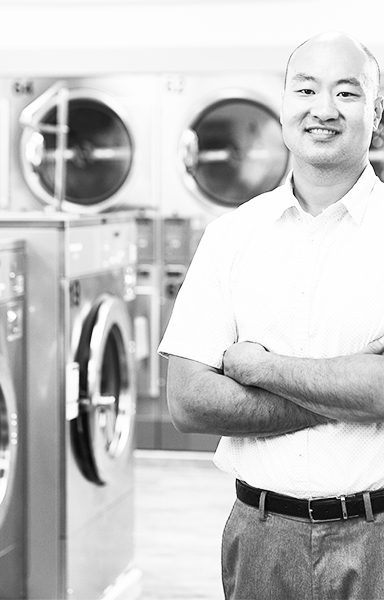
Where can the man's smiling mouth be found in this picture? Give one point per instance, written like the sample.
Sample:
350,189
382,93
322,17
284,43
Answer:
322,131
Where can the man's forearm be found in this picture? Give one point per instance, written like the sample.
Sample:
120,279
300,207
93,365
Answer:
209,402
348,388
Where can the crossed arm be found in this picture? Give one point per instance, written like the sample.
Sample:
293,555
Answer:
261,393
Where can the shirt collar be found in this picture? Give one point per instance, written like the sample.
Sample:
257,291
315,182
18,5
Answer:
355,201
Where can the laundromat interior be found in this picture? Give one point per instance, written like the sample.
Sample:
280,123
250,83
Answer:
125,128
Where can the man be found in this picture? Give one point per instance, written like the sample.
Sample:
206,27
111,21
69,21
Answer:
276,344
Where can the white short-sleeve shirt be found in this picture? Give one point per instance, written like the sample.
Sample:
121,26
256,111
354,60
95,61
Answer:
299,285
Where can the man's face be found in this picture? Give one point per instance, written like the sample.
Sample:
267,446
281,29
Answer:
330,107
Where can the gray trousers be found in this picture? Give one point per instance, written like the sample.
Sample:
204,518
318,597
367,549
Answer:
283,558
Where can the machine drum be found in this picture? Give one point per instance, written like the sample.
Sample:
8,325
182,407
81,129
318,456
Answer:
8,437
4,446
234,151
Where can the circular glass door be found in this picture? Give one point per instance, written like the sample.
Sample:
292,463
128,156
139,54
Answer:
8,437
104,426
97,156
376,150
234,151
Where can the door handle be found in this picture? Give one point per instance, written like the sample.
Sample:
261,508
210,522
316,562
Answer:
104,401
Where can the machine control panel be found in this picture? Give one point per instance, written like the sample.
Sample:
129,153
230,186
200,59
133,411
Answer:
113,245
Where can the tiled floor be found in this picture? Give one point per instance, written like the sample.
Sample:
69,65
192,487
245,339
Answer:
182,503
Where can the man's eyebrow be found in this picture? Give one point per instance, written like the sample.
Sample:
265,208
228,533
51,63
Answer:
349,81
303,77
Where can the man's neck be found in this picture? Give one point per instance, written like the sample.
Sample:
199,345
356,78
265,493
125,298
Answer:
316,189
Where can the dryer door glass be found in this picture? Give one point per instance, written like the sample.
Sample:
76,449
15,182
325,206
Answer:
376,150
8,436
235,151
4,446
98,153
104,427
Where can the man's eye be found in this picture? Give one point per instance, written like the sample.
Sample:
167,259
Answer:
346,94
306,92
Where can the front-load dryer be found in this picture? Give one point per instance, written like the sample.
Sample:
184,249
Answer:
221,145
81,392
13,526
221,141
81,144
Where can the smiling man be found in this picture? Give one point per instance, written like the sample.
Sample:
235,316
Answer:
329,112
276,343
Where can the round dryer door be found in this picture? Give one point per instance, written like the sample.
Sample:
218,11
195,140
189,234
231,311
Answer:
8,436
93,156
234,151
376,150
104,427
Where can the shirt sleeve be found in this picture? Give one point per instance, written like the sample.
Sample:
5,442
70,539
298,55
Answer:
202,324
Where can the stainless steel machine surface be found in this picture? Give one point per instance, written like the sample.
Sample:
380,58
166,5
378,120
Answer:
147,330
81,393
12,422
82,145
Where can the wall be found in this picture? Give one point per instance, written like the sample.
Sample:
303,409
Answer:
54,37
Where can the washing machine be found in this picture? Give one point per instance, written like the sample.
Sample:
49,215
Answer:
221,145
81,145
12,422
376,149
81,394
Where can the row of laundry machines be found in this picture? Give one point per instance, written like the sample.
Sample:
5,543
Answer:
95,240
179,149
106,186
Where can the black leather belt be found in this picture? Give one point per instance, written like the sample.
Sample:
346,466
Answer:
363,504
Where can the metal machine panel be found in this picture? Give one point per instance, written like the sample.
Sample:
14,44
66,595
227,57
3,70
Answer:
147,331
13,566
79,302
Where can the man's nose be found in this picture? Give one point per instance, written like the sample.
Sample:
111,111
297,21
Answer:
324,107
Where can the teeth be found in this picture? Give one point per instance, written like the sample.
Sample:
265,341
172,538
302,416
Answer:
319,131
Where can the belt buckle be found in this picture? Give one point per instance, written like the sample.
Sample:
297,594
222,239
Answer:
344,513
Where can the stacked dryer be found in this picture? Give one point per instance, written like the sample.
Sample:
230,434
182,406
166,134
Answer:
221,145
85,146
78,166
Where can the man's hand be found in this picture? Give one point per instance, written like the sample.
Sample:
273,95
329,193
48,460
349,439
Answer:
240,361
374,347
